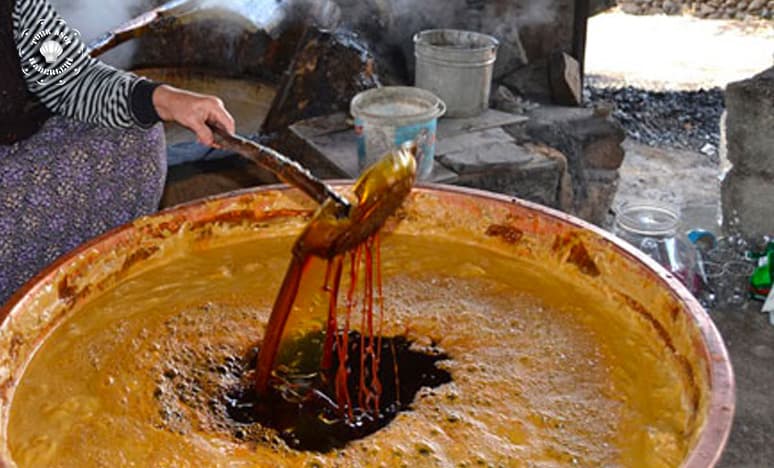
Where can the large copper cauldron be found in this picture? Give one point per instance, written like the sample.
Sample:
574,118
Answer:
577,251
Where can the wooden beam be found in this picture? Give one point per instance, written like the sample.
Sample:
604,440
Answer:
582,11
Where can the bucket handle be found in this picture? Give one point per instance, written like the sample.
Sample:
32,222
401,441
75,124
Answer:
440,107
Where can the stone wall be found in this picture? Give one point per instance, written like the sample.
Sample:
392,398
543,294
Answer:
713,9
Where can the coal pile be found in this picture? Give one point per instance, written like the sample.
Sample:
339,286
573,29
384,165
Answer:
687,120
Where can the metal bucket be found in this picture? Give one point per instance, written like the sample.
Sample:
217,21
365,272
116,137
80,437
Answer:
389,116
457,66
647,298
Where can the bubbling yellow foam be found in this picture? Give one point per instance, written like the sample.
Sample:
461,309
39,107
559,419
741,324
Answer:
541,371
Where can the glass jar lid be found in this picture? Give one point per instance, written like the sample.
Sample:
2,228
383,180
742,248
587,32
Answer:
648,218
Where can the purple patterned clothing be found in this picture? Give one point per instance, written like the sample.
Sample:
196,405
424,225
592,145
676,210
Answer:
68,183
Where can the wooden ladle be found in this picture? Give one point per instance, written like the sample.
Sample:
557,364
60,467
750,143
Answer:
339,225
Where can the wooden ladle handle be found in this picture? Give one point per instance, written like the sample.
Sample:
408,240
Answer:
286,169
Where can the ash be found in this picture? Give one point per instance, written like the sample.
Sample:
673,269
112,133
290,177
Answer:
687,120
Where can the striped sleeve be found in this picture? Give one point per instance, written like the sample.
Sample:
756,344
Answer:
60,72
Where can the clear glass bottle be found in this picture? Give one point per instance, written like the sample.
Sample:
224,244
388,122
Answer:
652,227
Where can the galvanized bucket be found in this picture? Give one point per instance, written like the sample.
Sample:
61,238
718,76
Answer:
456,66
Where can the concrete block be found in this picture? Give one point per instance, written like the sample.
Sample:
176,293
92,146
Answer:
485,158
471,140
564,73
442,175
601,188
748,204
750,123
503,99
584,135
747,191
474,152
575,130
565,195
587,138
606,153
308,141
537,181
531,81
491,118
591,143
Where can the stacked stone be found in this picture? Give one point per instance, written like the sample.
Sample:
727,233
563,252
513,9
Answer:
714,9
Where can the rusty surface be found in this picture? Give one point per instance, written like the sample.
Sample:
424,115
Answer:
328,70
637,283
218,44
137,26
507,233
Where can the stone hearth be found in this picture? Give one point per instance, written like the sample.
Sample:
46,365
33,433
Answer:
563,157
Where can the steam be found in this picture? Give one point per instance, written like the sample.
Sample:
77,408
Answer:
272,16
408,16
394,22
263,14
537,13
399,20
389,25
95,17
386,23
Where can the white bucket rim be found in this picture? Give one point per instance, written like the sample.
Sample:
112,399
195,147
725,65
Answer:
434,106
492,43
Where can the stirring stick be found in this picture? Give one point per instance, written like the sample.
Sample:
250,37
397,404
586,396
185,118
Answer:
287,170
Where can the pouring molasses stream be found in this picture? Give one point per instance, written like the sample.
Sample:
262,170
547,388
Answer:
338,226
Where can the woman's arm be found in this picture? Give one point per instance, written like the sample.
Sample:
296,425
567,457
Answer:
78,86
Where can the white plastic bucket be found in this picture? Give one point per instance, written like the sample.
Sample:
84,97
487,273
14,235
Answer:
389,116
456,66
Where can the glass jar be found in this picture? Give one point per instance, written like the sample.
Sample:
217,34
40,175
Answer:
652,227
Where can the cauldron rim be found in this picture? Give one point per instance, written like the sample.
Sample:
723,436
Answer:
714,434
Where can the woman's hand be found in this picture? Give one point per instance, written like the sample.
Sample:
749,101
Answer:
193,111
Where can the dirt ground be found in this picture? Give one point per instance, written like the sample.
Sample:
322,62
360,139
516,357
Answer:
683,178
660,52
